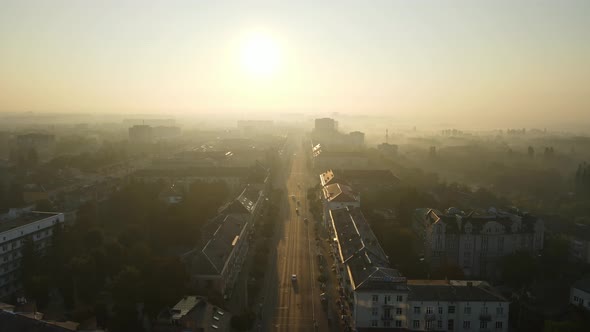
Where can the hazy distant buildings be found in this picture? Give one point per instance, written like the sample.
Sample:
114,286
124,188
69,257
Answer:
165,132
141,134
324,159
16,228
149,122
388,150
475,241
35,146
255,127
325,125
357,139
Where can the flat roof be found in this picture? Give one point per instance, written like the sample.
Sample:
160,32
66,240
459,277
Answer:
8,224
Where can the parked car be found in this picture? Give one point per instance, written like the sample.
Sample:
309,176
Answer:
293,277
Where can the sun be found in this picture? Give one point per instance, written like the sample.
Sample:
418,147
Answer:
260,55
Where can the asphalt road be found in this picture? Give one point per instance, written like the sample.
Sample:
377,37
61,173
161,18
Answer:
294,305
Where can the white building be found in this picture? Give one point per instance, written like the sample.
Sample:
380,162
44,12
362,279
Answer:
580,293
442,305
17,227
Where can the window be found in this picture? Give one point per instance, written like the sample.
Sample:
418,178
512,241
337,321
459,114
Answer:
467,310
387,312
387,323
439,324
467,259
467,324
398,323
429,310
484,310
387,298
440,310
375,311
416,324
498,325
398,311
374,323
375,298
416,310
575,298
428,325
400,298
484,243
451,309
501,243
450,325
483,324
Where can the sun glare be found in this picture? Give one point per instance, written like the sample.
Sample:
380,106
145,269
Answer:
260,55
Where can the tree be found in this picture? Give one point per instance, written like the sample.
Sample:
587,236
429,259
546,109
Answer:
518,269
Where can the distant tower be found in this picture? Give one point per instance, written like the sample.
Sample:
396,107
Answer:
386,135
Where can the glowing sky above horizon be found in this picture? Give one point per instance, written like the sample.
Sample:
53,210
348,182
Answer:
446,59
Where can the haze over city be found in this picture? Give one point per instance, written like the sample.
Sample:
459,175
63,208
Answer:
323,166
455,61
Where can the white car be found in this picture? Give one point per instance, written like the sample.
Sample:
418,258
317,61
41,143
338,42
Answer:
293,277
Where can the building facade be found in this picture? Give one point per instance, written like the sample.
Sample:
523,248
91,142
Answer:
17,227
475,241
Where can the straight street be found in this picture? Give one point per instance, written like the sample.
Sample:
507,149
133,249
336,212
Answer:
294,305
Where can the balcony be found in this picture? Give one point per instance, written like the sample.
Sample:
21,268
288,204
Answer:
429,317
386,317
485,317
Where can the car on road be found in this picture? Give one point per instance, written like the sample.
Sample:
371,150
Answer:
297,211
293,277
293,197
305,220
298,203
323,297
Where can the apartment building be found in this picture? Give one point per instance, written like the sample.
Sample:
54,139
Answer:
475,240
338,196
453,305
16,227
376,297
217,264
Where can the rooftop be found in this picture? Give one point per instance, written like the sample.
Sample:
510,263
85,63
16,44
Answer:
583,284
213,257
339,193
24,219
197,313
455,291
10,321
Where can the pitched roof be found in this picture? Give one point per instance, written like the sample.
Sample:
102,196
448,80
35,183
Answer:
219,248
339,193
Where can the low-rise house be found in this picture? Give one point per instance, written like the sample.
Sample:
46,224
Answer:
193,314
580,293
475,241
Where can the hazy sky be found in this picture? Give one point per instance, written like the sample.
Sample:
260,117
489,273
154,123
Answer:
449,59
